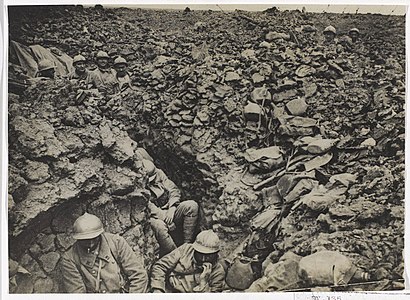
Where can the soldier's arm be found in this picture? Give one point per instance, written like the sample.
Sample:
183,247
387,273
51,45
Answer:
72,278
217,279
132,267
170,186
162,268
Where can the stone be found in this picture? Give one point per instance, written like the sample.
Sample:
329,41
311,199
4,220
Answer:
10,201
261,95
305,70
120,181
230,105
32,266
273,35
46,242
253,111
37,137
341,211
49,261
297,107
320,146
370,142
36,171
64,241
258,78
248,54
43,285
16,181
232,76
309,89
284,96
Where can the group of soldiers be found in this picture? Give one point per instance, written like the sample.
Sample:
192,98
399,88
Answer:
104,78
103,262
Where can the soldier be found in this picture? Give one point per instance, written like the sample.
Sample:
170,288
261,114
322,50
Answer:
167,210
80,73
354,34
103,77
190,268
101,262
123,80
330,34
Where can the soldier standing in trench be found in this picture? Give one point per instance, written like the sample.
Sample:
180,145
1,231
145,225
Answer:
167,210
102,78
123,80
80,73
101,262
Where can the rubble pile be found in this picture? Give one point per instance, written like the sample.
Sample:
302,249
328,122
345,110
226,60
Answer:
211,89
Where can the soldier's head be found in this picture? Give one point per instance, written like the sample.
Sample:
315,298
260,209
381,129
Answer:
87,230
102,59
46,68
329,33
206,248
354,34
79,63
150,169
120,66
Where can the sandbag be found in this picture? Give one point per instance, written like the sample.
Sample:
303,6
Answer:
25,58
40,53
326,268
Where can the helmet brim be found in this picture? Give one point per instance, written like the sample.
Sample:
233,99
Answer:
88,235
202,249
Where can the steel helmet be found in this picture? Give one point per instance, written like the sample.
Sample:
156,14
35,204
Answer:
354,30
87,227
78,58
45,64
330,29
150,169
206,242
120,60
102,54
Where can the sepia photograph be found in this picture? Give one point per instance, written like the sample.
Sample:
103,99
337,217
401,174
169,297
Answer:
205,148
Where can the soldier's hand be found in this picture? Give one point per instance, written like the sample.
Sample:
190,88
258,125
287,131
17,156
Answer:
206,271
169,216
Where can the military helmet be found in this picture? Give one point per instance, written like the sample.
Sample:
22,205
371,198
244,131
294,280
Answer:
78,58
206,242
45,64
102,54
150,169
330,29
354,30
120,60
87,226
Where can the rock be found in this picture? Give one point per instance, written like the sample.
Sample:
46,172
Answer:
37,137
64,241
320,146
253,112
183,139
230,105
36,171
287,84
368,210
273,35
261,95
305,70
44,285
248,54
232,76
297,107
346,179
342,211
370,142
265,44
46,242
309,89
258,78
283,96
10,202
49,261
120,181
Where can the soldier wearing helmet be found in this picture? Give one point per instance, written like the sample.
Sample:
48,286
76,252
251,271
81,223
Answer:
330,34
354,34
101,262
102,78
46,69
80,72
190,268
167,210
123,80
